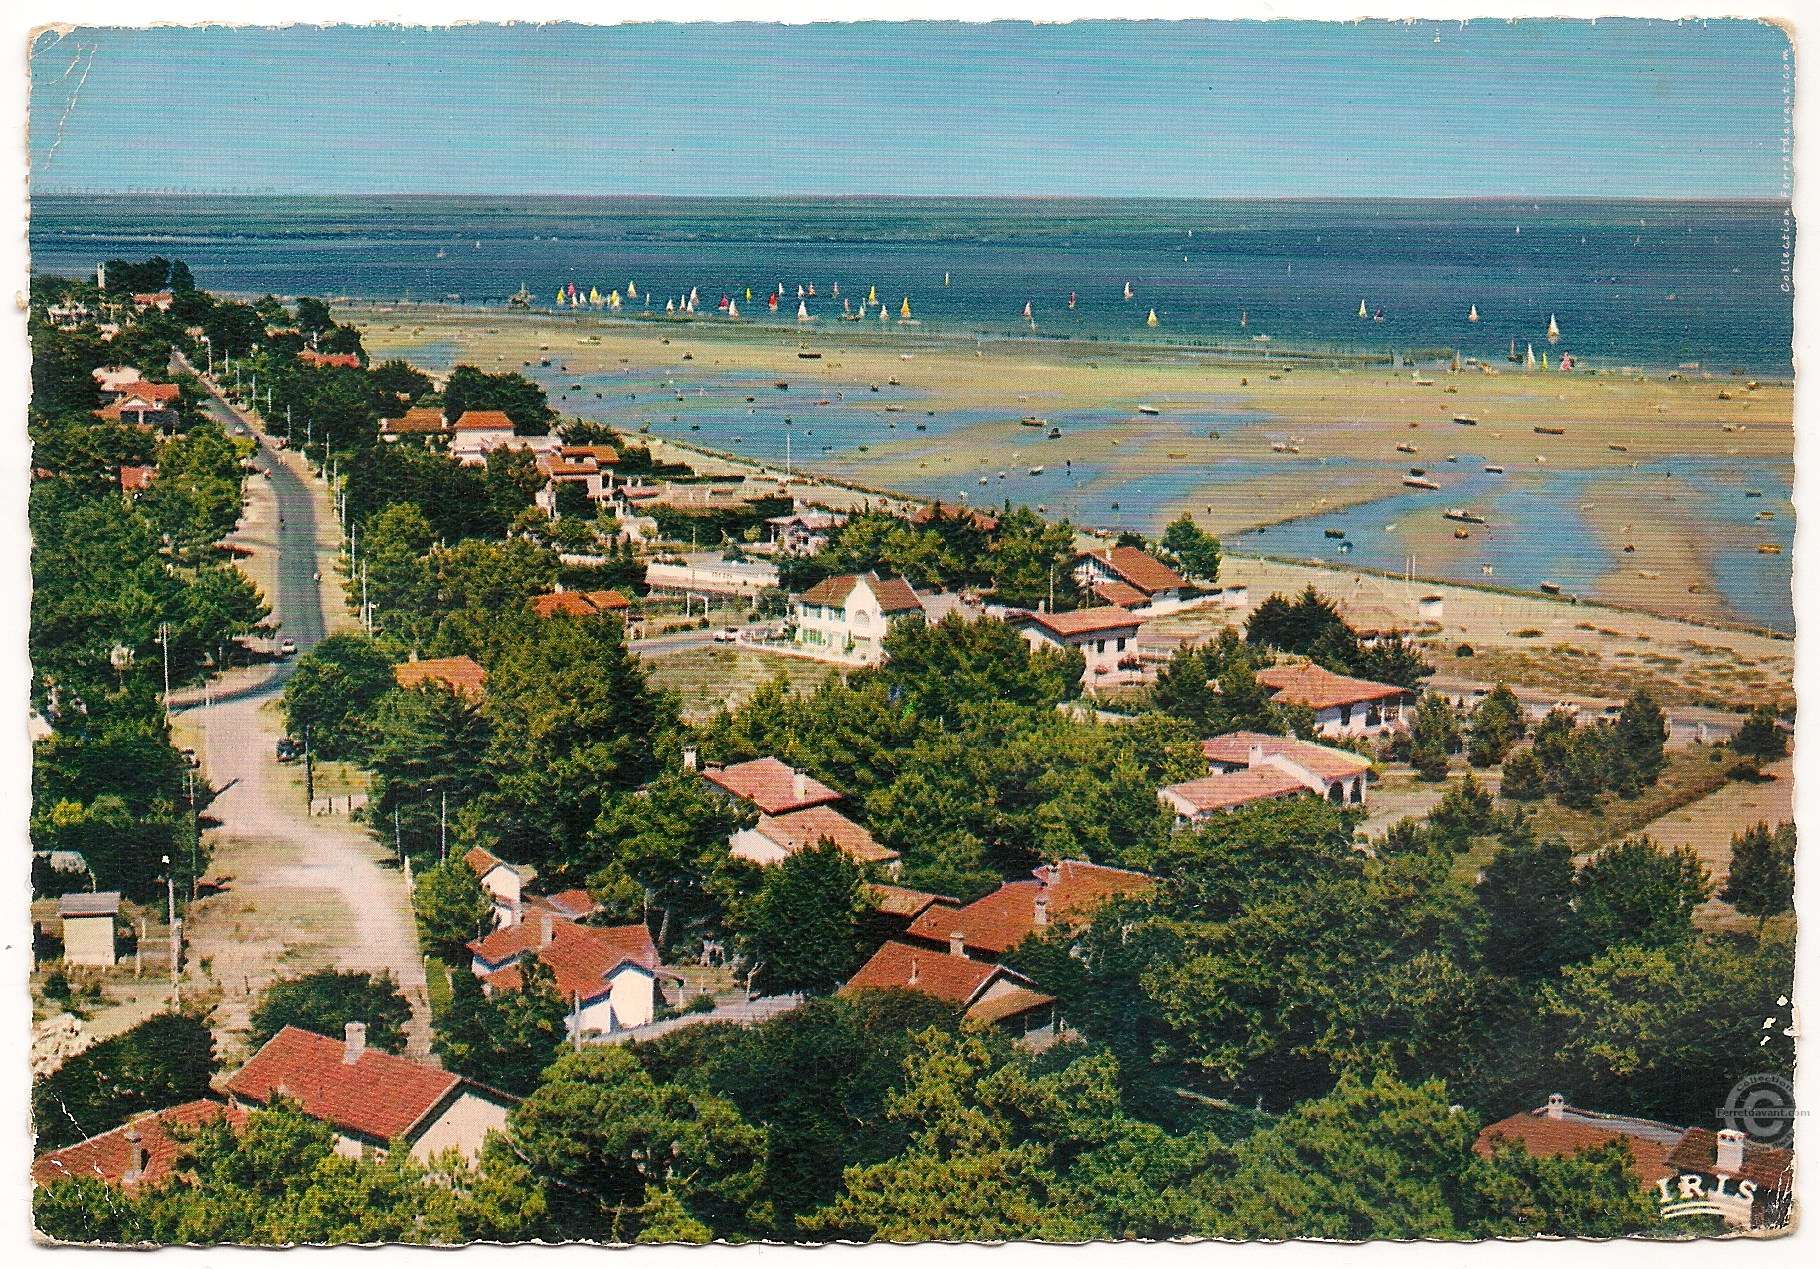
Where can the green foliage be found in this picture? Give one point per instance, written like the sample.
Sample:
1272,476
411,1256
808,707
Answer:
507,1039
1635,893
1496,723
429,748
1527,893
400,379
666,846
1639,736
802,928
1761,882
451,497
1760,738
330,698
1523,779
167,1059
452,909
522,401
1433,735
940,670
1195,551
327,1000
1294,627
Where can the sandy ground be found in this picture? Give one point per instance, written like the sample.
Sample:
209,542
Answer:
1709,825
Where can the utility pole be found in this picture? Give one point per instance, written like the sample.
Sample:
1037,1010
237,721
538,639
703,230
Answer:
443,825
309,772
170,888
164,642
366,610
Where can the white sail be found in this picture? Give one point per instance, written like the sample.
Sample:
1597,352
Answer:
1128,291
1362,312
802,312
632,290
1473,316
1554,331
732,308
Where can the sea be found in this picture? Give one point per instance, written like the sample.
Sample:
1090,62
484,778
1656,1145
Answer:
1649,285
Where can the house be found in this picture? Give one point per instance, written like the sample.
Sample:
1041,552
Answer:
111,381
371,1099
139,1152
1107,637
504,882
985,992
566,905
160,300
1063,894
477,433
461,675
608,976
776,837
145,404
1692,1171
769,785
1342,706
579,603
88,927
310,357
896,908
136,477
419,421
804,532
1336,774
848,617
1194,800
1131,578
975,519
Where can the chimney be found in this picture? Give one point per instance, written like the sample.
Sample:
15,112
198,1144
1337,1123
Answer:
548,933
136,1157
689,759
1730,1159
1042,909
356,1042
799,785
957,944
1557,1106
558,589
914,973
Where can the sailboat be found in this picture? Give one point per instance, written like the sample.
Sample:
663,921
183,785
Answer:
1026,310
722,306
1244,319
732,308
523,298
1128,290
1529,357
944,279
1545,359
1473,315
1071,299
904,313
632,290
811,290
594,296
802,311
441,254
692,297
1151,320
872,296
613,299
884,314
836,291
669,306
748,295
1554,331
562,297
1362,312
772,302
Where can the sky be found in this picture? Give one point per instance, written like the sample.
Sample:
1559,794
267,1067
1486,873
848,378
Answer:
1166,109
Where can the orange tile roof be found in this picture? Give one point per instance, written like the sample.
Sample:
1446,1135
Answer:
1328,763
995,924
894,593
573,904
581,957
771,786
1319,688
1008,1004
978,519
601,454
1140,569
1771,1167
1539,1134
310,357
903,902
1085,621
108,1156
134,477
578,603
1120,595
1223,791
483,421
956,979
798,830
483,861
379,1096
463,675
420,419
157,393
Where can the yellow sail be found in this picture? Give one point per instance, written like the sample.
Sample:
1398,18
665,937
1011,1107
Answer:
594,295
1151,320
562,298
613,299
872,296
905,311
748,295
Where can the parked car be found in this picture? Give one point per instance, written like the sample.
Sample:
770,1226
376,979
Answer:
288,750
729,634
287,647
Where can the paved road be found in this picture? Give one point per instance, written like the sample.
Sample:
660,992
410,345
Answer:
296,892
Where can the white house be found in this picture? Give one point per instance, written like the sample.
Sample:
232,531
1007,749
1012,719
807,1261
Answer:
776,837
1107,637
848,617
804,532
1132,579
371,1099
1338,775
608,976
1342,706
88,927
504,882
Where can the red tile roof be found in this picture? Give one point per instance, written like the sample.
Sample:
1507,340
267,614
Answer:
903,902
573,904
1119,595
956,979
798,830
154,393
1223,791
483,421
463,675
580,957
601,454
1008,1004
419,420
1536,1132
994,925
1318,688
1140,569
978,519
310,357
771,786
135,477
1771,1167
109,1156
1084,621
1325,762
483,861
579,603
379,1096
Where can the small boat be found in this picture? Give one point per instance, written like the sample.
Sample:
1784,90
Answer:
1345,547
1549,431
1151,320
1406,449
1071,299
1425,383
1465,420
1148,409
1033,421
1494,468
1453,458
1419,482
1551,588
1554,331
1418,471
904,313
1619,449
1036,471
1461,534
1529,356
782,385
1766,515
1753,493
1055,433
1463,515
732,308
811,356
1128,291
1334,533
1769,548
1473,315
802,313
1362,310
1027,310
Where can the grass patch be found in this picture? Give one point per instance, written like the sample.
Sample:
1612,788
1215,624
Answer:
1689,776
708,678
436,981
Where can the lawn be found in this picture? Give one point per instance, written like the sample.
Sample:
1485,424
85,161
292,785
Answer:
708,678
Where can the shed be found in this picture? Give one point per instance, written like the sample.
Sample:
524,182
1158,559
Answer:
88,927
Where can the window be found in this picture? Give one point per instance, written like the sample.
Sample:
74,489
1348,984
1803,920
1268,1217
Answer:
1373,715
861,617
1345,715
1358,788
1099,645
1121,647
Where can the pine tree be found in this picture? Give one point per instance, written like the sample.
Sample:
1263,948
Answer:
1762,879
803,927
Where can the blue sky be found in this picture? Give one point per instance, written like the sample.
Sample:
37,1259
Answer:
1202,109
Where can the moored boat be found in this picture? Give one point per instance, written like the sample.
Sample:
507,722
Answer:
1463,515
1549,431
1551,588
1419,482
1465,420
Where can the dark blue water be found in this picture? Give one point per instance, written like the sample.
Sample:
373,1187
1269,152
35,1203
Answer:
1649,284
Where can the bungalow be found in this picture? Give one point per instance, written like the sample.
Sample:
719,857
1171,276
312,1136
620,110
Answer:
111,381
1342,706
1061,895
1336,774
504,882
1107,637
770,786
461,675
1131,578
88,927
608,976
776,837
145,404
418,421
985,992
160,300
848,617
478,433
579,603
371,1099
139,1152
896,908
804,532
